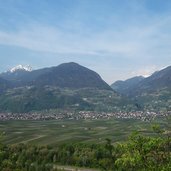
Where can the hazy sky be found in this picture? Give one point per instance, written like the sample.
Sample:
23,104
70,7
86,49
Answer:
116,38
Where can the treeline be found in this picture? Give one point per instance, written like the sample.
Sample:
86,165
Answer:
138,153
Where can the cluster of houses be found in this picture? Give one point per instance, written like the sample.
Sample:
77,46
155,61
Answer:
87,115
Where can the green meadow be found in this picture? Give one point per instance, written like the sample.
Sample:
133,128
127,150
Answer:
68,131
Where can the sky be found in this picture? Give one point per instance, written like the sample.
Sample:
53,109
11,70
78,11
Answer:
118,39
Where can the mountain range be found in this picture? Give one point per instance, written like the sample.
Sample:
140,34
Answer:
67,86
152,93
139,85
124,87
67,75
72,86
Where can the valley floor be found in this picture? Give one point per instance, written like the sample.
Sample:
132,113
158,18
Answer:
62,131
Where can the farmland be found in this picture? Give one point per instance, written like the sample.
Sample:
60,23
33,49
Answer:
63,131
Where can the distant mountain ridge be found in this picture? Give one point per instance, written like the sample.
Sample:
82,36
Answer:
72,86
124,87
151,93
138,85
67,86
159,80
70,75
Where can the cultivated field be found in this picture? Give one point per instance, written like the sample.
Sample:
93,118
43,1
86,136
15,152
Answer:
56,132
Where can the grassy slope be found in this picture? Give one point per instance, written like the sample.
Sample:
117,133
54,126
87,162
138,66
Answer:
25,99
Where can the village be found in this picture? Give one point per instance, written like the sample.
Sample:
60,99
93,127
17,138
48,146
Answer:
85,115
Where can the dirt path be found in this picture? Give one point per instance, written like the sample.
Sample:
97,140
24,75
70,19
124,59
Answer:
70,168
31,139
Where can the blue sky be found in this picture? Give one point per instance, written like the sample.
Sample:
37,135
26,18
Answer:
116,38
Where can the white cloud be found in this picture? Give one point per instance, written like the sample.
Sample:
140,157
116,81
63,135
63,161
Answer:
145,71
131,42
143,45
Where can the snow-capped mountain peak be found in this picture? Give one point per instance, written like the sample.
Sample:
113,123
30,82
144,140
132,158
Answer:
21,67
